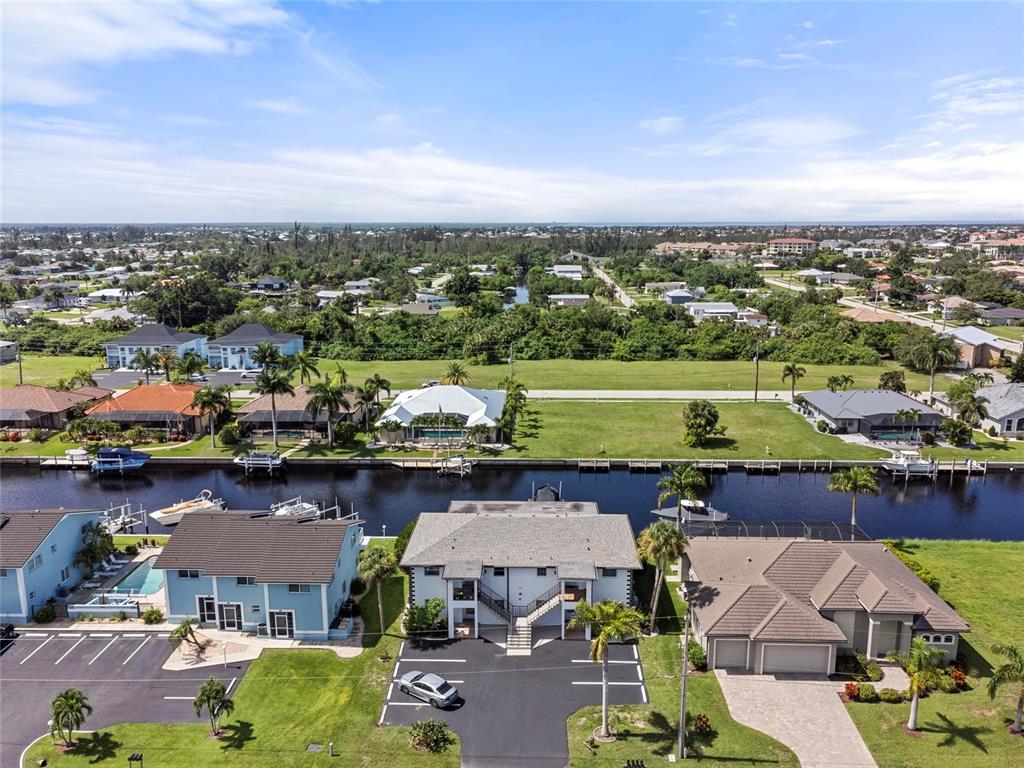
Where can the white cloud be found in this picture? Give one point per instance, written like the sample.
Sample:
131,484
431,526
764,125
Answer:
826,43
764,135
729,20
388,119
751,63
663,125
806,24
49,47
964,96
797,57
279,106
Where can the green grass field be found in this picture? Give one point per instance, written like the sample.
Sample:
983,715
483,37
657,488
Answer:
984,448
287,700
967,730
45,370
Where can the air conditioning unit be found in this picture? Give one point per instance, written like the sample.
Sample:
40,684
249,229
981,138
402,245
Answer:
262,631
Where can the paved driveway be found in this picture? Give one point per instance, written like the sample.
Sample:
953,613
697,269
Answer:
513,708
119,672
804,714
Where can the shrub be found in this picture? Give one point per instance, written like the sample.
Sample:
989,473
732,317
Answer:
345,433
122,616
36,435
852,691
229,435
137,435
402,541
948,685
822,426
358,586
702,726
431,736
890,696
131,550
3,437
44,615
426,617
958,676
928,438
868,693
991,431
918,570
153,616
14,437
872,670
696,655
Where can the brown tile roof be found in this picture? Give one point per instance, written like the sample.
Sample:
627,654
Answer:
23,532
29,397
795,621
163,398
272,550
747,612
93,393
801,566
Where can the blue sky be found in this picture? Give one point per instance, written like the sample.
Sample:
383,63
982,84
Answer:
262,111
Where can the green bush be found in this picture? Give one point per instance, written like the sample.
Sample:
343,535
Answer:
702,726
891,696
153,616
131,550
36,435
431,736
928,438
870,668
345,433
402,540
696,655
358,586
868,693
948,685
229,435
44,615
822,426
426,617
929,578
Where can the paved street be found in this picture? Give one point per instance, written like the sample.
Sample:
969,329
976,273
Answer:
621,295
514,708
119,672
658,394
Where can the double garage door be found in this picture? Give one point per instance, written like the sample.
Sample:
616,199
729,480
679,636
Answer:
795,658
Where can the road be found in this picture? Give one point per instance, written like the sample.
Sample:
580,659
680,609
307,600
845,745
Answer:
626,300
781,396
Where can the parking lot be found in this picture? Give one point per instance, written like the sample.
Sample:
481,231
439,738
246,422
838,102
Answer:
119,672
513,708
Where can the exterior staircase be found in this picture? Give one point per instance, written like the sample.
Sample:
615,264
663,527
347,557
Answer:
520,618
519,641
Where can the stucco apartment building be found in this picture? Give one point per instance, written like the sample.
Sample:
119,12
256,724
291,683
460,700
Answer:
790,246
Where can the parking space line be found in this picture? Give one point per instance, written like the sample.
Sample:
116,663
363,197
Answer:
68,634
382,713
643,693
401,648
598,682
431,661
101,634
36,650
391,688
610,661
133,635
134,652
407,704
639,673
69,650
101,652
636,653
231,684
180,698
33,634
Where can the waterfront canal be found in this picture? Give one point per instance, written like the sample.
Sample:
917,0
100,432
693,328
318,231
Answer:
990,507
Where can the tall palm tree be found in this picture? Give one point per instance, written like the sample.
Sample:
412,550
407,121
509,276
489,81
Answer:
68,711
82,378
306,365
365,398
213,697
455,373
854,481
607,621
191,363
922,664
658,544
167,359
379,384
144,360
331,396
375,565
971,409
932,352
185,633
273,382
686,483
902,416
212,401
1010,673
793,373
267,355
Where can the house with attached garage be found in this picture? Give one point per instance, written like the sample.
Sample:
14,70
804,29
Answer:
37,554
516,567
273,576
793,605
878,414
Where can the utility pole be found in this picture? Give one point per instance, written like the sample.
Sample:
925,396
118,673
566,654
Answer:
21,375
944,300
757,368
511,362
682,697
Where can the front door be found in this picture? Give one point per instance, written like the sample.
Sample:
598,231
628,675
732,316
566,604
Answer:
282,624
230,616
207,610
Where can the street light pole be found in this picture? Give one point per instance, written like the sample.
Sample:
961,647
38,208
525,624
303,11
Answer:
682,696
757,369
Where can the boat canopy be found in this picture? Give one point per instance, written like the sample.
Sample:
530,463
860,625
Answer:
124,454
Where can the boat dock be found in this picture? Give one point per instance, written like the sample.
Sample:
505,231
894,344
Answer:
762,467
645,465
594,465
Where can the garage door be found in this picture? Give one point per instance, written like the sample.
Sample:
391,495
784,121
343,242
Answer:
796,658
731,654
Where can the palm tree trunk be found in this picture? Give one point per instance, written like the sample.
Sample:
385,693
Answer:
213,436
380,608
659,575
1020,714
912,722
330,429
273,417
931,385
853,515
604,695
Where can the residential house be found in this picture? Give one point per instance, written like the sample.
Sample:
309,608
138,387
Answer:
28,406
275,576
677,296
1004,404
662,287
155,406
152,337
881,242
792,605
272,284
820,275
948,305
870,412
513,566
417,412
834,245
234,351
1004,316
360,287
568,271
840,278
326,297
8,352
108,296
790,246
866,315
863,253
978,348
482,270
433,299
292,413
752,317
568,299
37,554
712,310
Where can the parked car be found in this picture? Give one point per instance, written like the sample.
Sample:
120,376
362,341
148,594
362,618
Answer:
252,374
431,688
431,383
7,635
197,377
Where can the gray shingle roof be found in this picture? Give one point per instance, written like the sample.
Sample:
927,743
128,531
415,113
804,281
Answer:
255,333
1003,399
864,403
24,531
273,550
156,334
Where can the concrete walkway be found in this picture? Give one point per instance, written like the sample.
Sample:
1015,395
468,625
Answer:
804,714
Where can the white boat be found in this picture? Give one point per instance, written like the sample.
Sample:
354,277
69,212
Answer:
173,514
296,509
908,463
695,513
271,461
459,466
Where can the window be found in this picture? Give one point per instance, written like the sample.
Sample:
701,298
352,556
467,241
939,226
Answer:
298,588
3,573
187,574
245,581
499,571
542,571
609,573
926,638
35,562
432,570
64,574
948,639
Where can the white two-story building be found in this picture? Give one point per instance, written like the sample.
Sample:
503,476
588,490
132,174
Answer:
514,566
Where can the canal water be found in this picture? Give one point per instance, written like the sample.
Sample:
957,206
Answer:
990,507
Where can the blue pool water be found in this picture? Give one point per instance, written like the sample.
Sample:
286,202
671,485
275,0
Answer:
143,580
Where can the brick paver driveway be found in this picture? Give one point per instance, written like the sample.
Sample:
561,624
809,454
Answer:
805,714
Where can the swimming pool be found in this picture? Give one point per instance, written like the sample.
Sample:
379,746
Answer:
143,580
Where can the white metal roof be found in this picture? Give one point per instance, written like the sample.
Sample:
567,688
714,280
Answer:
477,406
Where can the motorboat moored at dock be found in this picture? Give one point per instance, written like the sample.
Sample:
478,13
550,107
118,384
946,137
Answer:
173,514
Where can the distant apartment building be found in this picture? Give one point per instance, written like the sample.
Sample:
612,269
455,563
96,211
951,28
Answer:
235,350
152,337
790,246
568,271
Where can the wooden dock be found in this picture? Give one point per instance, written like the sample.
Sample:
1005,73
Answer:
645,465
594,465
762,467
712,466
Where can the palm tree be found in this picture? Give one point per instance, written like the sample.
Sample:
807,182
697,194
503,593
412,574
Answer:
607,621
478,432
922,664
185,633
915,415
191,363
932,352
273,382
374,566
854,481
365,398
212,401
379,384
794,373
658,544
331,396
902,416
167,359
685,483
82,378
1010,673
68,711
306,365
456,373
213,696
971,409
144,360
266,355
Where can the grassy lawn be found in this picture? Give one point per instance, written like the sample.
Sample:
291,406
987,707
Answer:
967,730
614,374
984,447
649,733
1012,332
287,700
122,540
45,369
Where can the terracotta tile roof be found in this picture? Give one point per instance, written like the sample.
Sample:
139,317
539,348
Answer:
162,398
29,397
